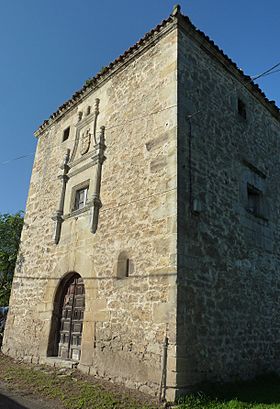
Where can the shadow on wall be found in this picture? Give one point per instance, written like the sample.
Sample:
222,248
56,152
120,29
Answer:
262,390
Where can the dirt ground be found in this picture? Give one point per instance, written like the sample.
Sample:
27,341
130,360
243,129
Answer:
11,399
24,386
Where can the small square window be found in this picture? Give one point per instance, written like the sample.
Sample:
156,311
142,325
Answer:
254,199
66,134
242,109
80,198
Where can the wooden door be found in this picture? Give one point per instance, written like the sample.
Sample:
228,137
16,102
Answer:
71,324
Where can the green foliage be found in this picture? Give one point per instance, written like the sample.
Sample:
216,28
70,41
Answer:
10,231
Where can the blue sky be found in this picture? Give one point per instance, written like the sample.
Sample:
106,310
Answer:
49,48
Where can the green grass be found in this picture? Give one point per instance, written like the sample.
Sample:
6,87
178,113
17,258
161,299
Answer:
70,388
194,402
77,391
262,393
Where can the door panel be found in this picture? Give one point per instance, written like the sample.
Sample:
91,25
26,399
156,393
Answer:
71,326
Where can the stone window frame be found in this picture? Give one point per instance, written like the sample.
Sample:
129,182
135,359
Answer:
124,269
83,185
123,266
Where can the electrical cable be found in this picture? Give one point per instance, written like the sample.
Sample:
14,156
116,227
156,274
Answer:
265,72
17,158
272,72
107,129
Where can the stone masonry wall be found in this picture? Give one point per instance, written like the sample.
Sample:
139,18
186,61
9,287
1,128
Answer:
125,320
203,262
228,316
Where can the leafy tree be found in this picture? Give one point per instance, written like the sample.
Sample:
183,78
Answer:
10,231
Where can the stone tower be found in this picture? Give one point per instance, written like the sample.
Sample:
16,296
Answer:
150,249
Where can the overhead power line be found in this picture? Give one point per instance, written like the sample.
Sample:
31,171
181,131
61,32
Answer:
270,71
17,158
267,72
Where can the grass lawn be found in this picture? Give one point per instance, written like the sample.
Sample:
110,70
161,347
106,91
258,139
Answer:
262,393
77,391
70,388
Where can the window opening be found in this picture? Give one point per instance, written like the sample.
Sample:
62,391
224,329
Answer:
81,198
127,268
123,266
254,199
66,134
242,108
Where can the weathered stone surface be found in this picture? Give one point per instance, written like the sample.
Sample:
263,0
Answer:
228,324
120,340
203,267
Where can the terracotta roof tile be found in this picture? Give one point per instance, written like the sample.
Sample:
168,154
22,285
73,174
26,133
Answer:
92,81
247,78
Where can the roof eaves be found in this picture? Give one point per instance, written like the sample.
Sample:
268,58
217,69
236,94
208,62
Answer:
246,79
106,71
93,82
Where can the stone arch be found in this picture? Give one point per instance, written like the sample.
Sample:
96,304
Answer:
70,281
72,262
124,265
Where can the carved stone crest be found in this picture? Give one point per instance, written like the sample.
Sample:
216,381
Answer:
85,141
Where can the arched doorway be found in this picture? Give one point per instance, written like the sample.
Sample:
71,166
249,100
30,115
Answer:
67,323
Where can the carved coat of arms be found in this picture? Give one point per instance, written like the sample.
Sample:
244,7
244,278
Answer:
85,142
